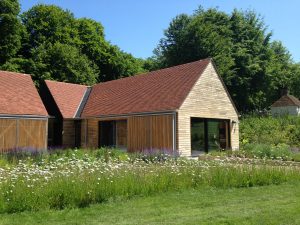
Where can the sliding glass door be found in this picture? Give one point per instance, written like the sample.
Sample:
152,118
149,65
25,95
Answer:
198,134
209,134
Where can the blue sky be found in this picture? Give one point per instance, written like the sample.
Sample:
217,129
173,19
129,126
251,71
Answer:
136,26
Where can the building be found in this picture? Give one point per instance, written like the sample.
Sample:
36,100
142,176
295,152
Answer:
185,108
63,102
286,105
23,117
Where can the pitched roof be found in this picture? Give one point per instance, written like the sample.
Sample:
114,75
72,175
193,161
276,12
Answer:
161,90
67,96
286,100
19,96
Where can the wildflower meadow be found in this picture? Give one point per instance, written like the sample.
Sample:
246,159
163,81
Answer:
79,178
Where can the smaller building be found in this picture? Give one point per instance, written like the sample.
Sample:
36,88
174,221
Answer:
23,117
286,105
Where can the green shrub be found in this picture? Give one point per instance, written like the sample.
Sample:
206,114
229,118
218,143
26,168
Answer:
279,152
270,130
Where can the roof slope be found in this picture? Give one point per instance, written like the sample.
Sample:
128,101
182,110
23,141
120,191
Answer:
19,96
67,96
286,100
156,91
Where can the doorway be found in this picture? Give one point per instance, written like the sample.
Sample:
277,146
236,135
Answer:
107,133
209,134
113,133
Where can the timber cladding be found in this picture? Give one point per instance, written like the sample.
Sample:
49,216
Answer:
143,132
22,133
68,136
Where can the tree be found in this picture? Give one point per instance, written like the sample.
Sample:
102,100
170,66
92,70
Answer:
240,45
10,29
49,24
64,63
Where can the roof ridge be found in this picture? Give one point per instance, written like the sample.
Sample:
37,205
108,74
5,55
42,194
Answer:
19,73
55,81
282,102
153,71
161,90
294,99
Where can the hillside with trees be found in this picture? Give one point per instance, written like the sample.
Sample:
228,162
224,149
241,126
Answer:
50,43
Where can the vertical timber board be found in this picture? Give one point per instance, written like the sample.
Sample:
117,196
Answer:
162,132
121,132
83,133
138,133
68,137
7,134
150,132
92,133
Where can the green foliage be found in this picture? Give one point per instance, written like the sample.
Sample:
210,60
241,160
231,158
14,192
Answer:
10,29
270,130
253,68
279,152
65,63
52,44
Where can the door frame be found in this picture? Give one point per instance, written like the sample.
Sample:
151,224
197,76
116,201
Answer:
206,120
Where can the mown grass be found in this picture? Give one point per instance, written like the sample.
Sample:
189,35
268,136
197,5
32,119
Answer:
78,179
274,204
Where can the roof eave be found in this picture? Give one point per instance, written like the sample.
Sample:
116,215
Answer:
131,114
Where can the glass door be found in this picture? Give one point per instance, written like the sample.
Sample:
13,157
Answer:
198,134
209,134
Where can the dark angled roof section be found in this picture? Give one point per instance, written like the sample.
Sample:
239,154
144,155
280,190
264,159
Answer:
67,96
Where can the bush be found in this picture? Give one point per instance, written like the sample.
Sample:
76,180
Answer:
270,130
280,151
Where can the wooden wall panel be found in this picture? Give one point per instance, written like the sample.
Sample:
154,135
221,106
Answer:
68,136
92,133
83,133
32,133
162,132
150,132
138,133
22,133
8,131
121,132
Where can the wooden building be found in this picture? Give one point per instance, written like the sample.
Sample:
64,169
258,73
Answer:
64,105
183,109
23,117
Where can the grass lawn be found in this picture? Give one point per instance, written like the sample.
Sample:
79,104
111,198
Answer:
258,205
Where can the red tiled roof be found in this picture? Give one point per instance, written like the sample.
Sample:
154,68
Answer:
286,100
156,91
19,96
66,96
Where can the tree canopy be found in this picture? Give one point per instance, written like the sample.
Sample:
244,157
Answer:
50,43
254,68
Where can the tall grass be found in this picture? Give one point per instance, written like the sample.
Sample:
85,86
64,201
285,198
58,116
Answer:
80,179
